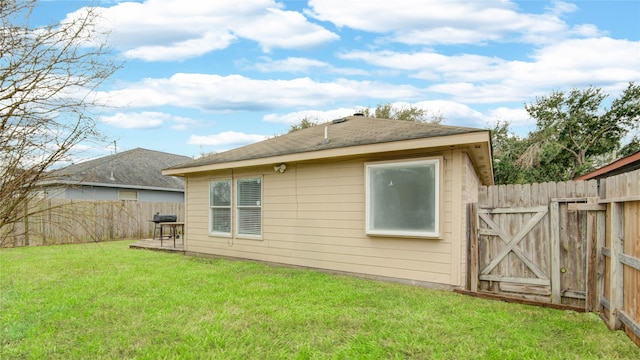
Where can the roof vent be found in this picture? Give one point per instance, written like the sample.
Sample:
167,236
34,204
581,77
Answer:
338,121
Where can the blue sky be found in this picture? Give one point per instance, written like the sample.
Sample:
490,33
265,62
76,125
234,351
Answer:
208,76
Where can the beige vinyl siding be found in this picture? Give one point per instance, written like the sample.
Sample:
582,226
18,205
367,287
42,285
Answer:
452,174
314,216
471,184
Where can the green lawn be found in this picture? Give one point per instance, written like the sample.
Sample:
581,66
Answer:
106,301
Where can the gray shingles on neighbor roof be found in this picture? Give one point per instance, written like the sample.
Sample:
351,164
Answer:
345,132
132,168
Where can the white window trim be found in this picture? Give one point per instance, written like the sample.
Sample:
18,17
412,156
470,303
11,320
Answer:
230,207
237,209
438,206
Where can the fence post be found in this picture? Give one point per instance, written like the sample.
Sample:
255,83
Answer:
616,283
591,300
473,245
26,223
601,225
554,219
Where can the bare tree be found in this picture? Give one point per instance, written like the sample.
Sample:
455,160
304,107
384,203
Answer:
47,77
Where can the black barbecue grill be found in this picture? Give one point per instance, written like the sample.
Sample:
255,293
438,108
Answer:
159,220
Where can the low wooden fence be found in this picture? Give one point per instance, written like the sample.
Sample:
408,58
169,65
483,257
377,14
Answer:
56,221
572,245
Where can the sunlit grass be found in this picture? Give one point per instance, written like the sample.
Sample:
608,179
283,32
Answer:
106,301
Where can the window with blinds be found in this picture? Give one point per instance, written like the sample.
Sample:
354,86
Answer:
220,207
249,206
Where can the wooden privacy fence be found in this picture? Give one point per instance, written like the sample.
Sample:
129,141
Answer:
530,244
570,244
619,298
57,221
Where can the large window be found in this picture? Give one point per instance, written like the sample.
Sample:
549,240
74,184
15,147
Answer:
249,206
220,207
403,198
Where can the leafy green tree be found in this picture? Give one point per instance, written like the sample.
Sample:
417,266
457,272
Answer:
383,111
573,128
411,113
303,124
631,148
507,149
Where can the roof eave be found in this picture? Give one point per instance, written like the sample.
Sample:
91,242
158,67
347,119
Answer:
482,136
611,167
97,184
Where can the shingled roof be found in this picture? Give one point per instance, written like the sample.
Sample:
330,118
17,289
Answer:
137,168
620,166
345,132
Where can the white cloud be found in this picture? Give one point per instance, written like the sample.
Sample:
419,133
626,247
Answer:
587,31
515,117
454,113
596,59
225,139
183,49
444,22
142,120
275,28
611,63
294,65
183,123
317,116
147,120
430,65
290,65
155,30
236,92
559,8
459,114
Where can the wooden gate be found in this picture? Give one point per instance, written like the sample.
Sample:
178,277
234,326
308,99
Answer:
533,242
560,245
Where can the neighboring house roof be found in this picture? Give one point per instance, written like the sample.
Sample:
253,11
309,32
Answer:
349,136
137,168
626,164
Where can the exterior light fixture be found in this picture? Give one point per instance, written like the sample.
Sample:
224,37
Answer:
280,168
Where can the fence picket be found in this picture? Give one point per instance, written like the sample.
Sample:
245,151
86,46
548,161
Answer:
58,221
518,212
590,257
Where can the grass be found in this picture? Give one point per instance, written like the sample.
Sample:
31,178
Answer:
106,301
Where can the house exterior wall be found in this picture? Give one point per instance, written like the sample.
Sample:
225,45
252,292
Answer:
100,193
314,216
470,186
160,196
